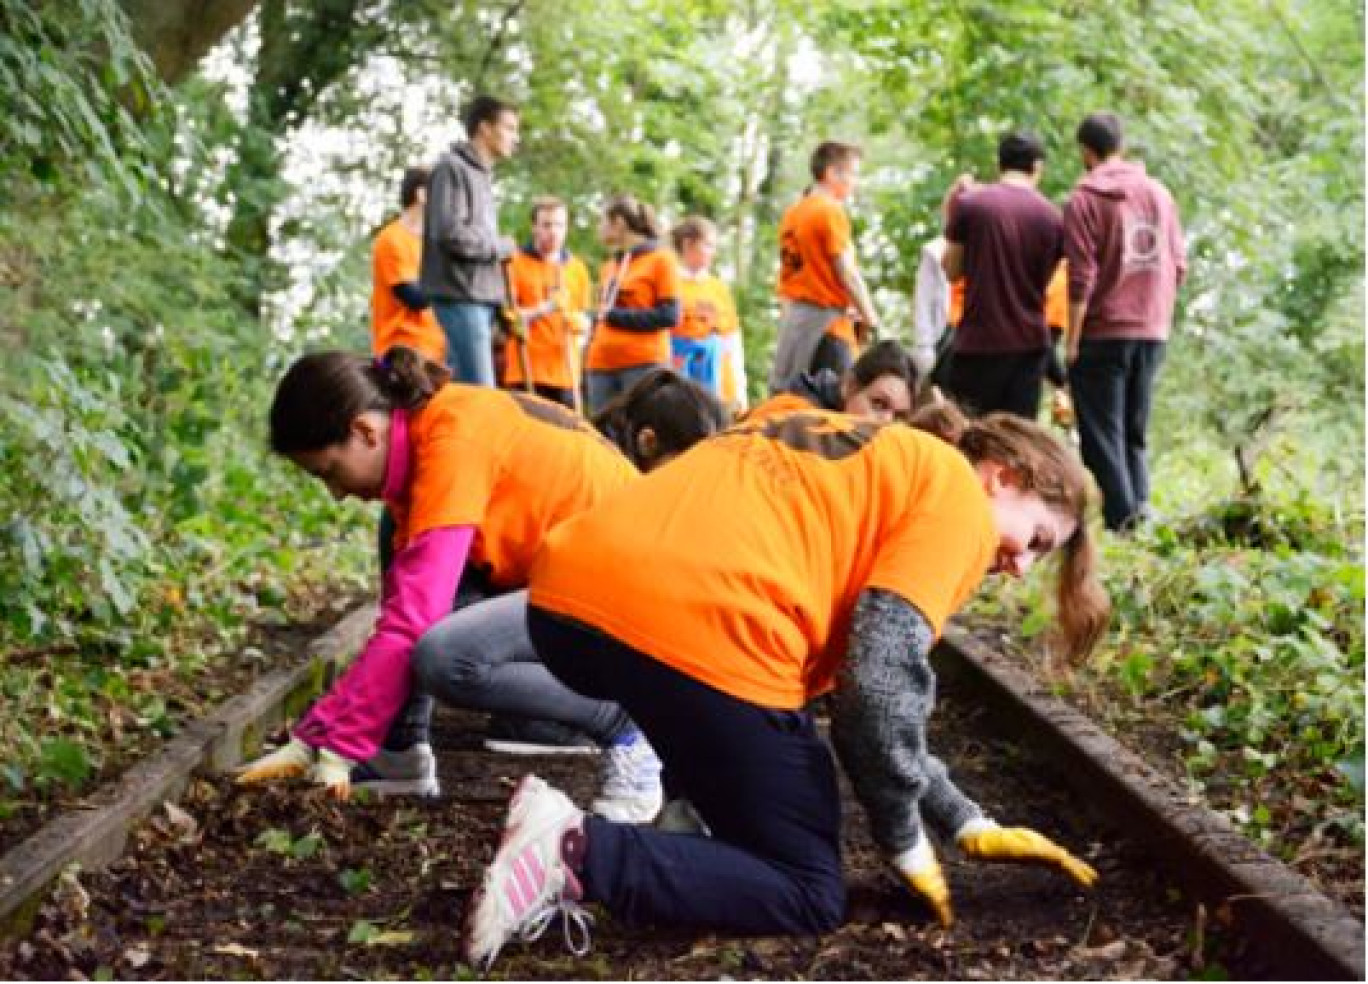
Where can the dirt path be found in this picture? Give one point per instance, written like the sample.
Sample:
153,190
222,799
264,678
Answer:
280,885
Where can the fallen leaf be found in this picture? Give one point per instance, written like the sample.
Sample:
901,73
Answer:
895,931
391,937
185,826
236,950
1111,951
137,957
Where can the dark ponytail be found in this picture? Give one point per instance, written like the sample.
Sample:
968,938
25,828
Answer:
637,215
323,392
678,411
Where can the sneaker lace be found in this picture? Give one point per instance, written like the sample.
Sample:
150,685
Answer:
576,922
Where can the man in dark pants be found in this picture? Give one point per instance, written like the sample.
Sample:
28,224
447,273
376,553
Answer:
1006,239
1124,244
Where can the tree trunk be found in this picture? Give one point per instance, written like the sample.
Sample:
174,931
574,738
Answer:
176,34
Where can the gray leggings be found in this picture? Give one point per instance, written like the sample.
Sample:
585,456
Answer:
481,657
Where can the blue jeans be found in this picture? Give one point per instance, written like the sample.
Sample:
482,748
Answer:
468,327
480,657
1112,383
762,780
604,385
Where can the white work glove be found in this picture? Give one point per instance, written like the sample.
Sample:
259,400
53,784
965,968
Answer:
921,873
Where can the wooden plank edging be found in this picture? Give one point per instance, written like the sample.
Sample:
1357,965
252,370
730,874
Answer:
1296,928
95,836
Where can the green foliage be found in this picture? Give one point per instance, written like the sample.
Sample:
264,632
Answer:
282,842
1238,629
72,79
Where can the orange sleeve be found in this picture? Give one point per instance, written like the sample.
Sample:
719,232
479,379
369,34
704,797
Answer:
936,554
393,264
836,235
666,277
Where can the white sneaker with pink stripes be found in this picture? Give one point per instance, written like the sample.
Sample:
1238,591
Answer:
528,884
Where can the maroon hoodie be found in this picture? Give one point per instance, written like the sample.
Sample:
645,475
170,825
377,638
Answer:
1125,251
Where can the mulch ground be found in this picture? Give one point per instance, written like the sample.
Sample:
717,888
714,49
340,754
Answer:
283,884
269,647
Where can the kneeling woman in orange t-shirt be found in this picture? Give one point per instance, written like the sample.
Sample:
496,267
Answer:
474,479
786,558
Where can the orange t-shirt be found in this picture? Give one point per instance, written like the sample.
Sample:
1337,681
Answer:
394,260
707,307
1057,298
740,563
956,309
777,405
812,234
511,464
651,276
552,338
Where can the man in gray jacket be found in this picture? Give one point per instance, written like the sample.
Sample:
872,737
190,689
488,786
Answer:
462,248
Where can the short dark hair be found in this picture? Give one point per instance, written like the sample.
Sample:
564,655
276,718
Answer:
830,153
885,358
1019,151
677,410
1100,133
484,109
414,179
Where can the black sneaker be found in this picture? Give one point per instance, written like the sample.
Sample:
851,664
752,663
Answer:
511,735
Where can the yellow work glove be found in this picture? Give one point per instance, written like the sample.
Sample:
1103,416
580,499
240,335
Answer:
921,873
334,772
292,759
984,840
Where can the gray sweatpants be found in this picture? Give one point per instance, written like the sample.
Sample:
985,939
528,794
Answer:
801,327
481,657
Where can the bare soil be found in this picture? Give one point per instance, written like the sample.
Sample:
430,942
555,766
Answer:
283,884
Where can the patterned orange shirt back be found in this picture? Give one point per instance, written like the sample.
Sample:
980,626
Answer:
812,234
511,464
739,563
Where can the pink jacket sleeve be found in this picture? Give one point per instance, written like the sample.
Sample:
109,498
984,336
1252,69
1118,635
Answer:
352,718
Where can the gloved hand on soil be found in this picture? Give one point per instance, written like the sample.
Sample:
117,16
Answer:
921,873
984,840
295,759
292,759
333,772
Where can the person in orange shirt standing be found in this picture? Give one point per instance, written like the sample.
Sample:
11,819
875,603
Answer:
798,555
707,344
401,313
551,291
638,304
819,281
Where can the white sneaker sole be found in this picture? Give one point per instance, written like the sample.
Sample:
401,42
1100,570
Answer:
527,748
